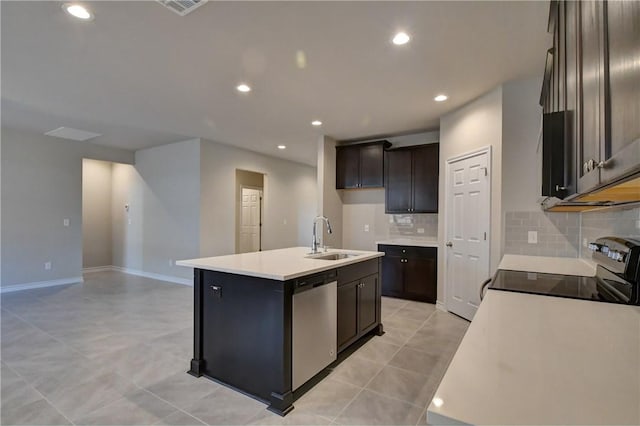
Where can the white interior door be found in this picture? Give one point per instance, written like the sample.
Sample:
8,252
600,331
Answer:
250,220
468,225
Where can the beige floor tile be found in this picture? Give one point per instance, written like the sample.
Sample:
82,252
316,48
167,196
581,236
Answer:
370,408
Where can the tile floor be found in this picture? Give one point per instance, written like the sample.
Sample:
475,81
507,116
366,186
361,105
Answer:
115,349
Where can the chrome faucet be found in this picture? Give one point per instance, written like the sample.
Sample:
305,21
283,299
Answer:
314,238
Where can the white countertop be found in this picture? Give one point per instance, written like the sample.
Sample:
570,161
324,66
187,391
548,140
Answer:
548,265
530,359
281,264
409,242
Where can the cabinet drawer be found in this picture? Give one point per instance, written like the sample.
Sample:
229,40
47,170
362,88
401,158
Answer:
354,272
409,252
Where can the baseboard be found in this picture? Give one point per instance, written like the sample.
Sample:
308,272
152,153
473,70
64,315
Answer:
40,284
97,269
441,306
168,278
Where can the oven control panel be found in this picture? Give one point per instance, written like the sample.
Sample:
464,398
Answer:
619,255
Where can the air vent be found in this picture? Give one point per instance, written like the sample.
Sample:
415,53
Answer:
182,7
73,134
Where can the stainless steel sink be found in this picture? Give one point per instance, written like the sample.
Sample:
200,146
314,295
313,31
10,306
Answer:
333,256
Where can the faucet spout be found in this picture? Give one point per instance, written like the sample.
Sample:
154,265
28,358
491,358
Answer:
314,237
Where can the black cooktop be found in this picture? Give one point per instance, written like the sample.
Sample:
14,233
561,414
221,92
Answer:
604,287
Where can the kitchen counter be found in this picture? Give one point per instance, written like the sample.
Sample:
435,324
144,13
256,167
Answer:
530,359
282,264
548,265
409,242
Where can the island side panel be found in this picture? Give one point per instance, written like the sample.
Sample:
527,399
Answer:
197,363
245,330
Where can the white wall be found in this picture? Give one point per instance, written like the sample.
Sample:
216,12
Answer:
476,125
96,213
289,198
329,202
41,186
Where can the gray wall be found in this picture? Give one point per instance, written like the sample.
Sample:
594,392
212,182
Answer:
618,221
41,186
476,125
289,198
96,213
329,202
171,206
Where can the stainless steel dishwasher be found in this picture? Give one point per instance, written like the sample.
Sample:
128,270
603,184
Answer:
315,325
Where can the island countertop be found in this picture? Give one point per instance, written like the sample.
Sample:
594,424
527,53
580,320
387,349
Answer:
281,264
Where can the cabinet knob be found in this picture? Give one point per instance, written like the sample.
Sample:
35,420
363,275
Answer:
560,188
217,290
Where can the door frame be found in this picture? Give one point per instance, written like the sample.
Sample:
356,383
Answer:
451,160
239,215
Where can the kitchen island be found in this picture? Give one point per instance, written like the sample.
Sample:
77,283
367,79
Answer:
268,323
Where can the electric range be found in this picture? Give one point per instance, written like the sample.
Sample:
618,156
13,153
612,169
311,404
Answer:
617,278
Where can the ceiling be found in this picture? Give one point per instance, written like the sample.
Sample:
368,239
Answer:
142,76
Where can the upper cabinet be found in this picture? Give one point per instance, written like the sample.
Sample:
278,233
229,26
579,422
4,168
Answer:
593,76
411,179
360,165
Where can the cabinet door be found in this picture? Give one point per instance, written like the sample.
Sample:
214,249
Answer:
347,167
367,299
425,162
572,114
392,276
397,181
371,166
592,89
420,278
623,31
347,313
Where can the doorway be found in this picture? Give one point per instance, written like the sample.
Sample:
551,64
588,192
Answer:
249,211
467,224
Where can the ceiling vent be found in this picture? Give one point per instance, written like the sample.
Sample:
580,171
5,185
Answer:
182,7
73,134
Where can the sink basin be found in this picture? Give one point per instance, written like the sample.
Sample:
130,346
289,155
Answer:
333,256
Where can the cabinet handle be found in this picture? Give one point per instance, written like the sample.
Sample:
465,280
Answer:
217,291
449,244
560,188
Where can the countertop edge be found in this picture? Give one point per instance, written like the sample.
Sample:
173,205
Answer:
410,243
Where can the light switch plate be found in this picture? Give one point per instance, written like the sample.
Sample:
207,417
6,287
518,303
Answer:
533,237
420,230
65,222
366,228
47,266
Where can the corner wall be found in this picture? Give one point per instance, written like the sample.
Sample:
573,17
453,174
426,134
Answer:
96,213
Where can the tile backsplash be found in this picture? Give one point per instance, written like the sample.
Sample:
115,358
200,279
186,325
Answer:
558,234
413,225
620,222
565,234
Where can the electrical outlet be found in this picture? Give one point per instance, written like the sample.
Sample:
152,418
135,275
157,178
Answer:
420,230
47,266
284,222
638,223
366,228
170,262
533,237
65,222
129,221
585,242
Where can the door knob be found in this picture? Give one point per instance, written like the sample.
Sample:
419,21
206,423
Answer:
449,244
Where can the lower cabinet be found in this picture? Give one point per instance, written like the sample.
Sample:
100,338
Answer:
410,272
358,302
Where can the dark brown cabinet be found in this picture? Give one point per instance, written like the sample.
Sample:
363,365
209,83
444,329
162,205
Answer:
358,295
411,179
409,272
360,166
594,78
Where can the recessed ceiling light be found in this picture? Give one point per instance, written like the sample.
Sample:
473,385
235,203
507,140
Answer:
316,123
401,38
243,88
282,147
441,98
78,11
